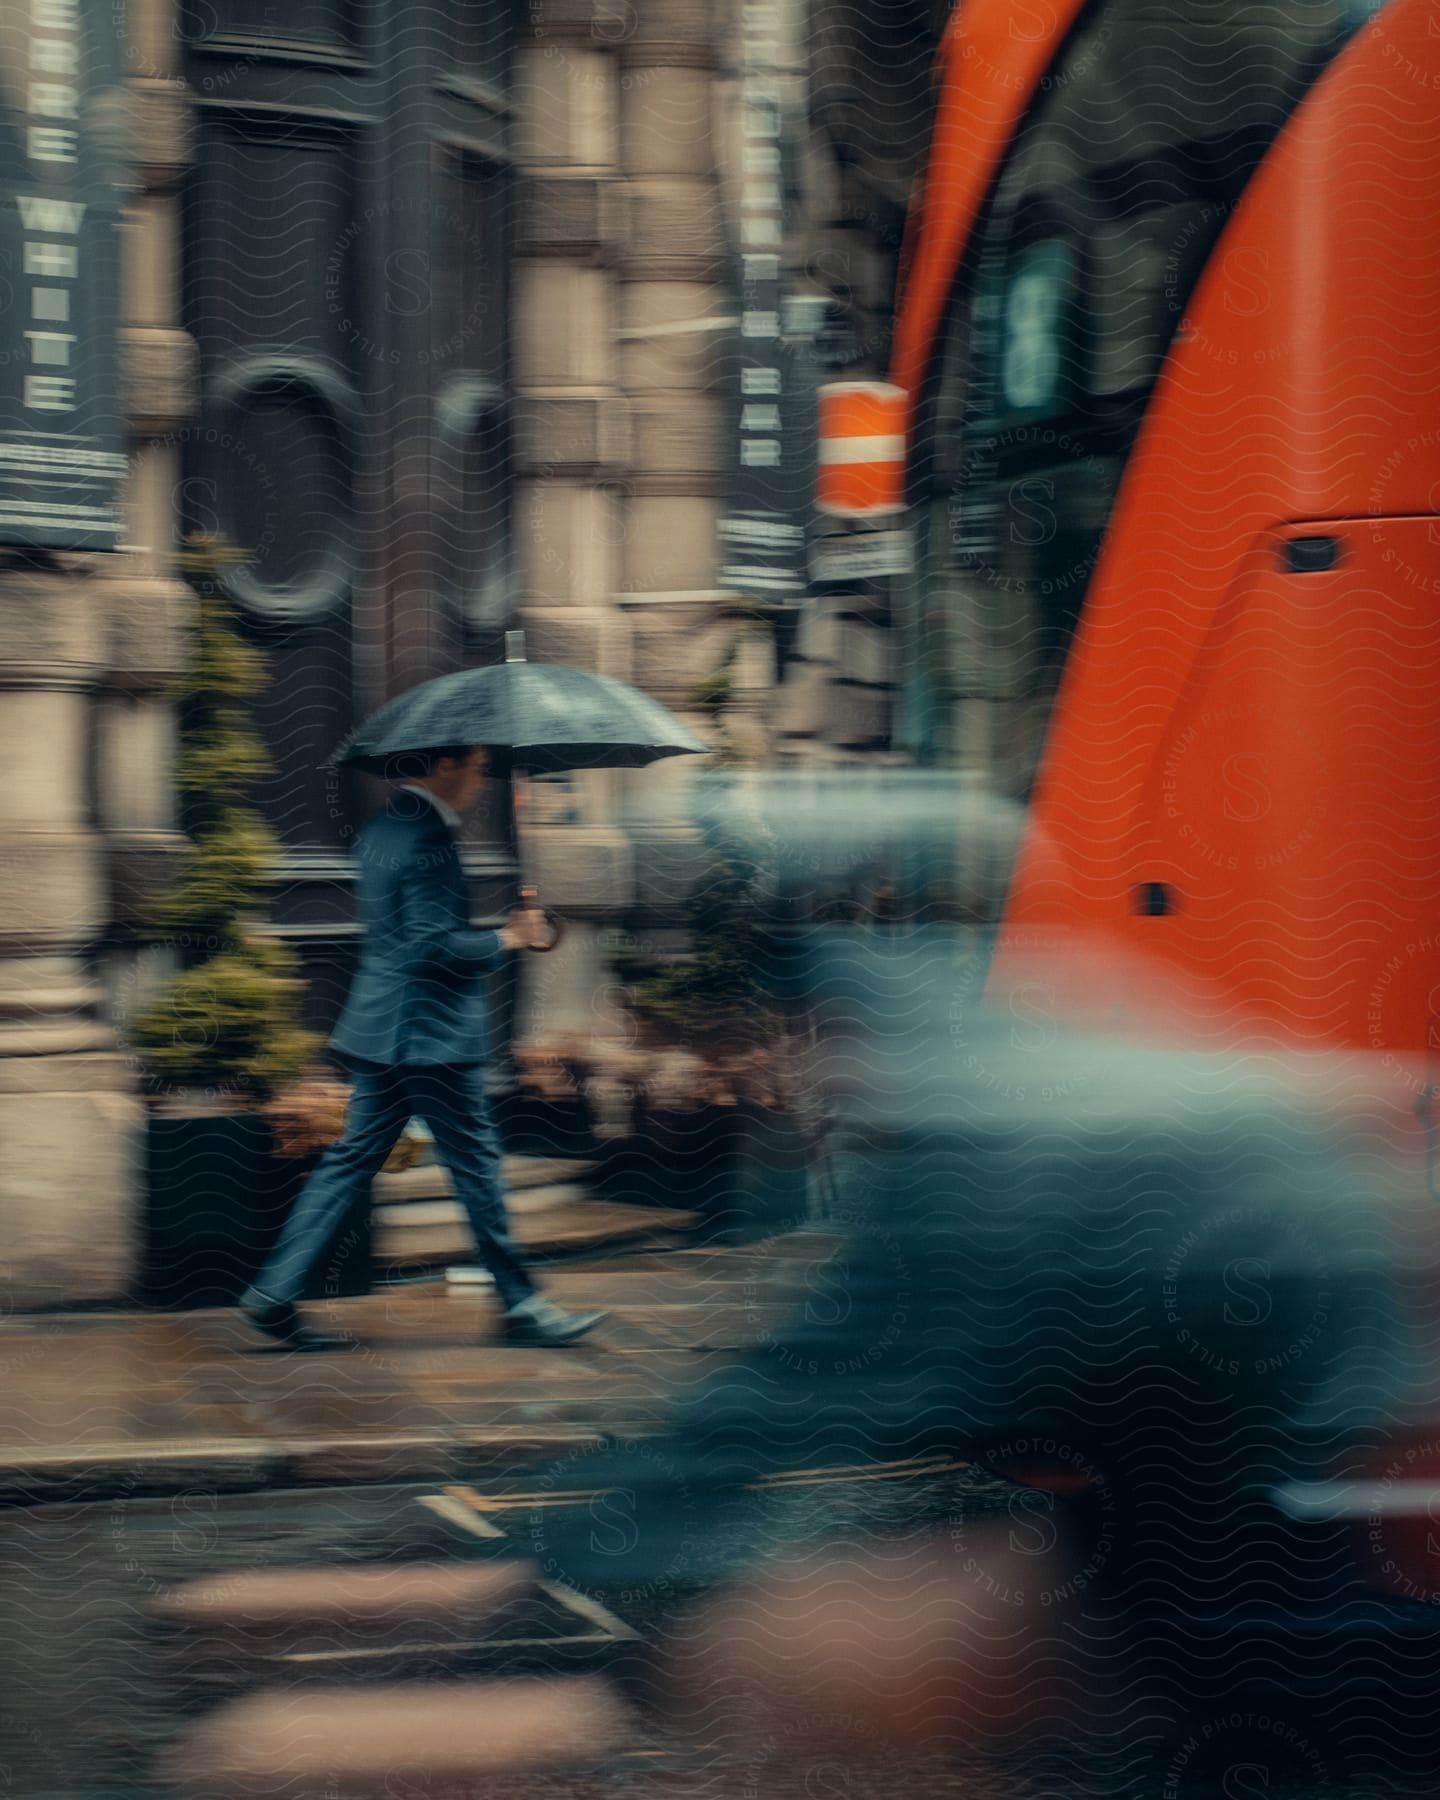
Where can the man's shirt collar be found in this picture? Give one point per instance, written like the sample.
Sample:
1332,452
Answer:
443,807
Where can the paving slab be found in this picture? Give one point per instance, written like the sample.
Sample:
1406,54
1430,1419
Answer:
113,1404
415,1737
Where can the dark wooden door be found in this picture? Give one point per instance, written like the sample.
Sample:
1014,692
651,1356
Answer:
347,230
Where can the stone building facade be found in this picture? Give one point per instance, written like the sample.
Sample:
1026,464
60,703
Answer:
427,310
87,825
622,307
869,104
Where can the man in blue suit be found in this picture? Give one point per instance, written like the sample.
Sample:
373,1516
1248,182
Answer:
415,1032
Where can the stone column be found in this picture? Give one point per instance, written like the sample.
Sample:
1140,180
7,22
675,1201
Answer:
574,449
677,322
621,313
86,826
70,1123
146,609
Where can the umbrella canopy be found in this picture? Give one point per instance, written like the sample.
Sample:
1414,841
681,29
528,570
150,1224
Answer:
540,717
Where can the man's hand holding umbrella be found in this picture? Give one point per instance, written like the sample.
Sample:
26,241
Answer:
526,928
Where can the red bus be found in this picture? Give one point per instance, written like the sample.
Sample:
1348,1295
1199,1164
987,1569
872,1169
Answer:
1171,345
1169,334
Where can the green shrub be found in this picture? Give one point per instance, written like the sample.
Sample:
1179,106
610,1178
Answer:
230,1020
230,1024
718,990
717,995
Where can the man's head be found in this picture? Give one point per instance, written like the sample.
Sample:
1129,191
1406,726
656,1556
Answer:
454,773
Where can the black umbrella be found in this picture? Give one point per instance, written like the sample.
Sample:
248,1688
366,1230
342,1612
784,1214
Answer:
540,717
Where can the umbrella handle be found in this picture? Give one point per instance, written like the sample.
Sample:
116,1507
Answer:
552,919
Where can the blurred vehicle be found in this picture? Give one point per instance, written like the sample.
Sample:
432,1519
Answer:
1172,434
1156,1290
1138,1198
1172,441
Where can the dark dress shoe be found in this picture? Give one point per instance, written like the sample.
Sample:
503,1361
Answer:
282,1322
541,1322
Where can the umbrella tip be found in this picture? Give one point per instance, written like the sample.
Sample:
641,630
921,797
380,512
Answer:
514,646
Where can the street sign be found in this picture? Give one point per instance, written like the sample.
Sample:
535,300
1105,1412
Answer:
762,536
862,555
61,146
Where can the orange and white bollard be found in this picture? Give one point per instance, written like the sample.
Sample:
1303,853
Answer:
861,453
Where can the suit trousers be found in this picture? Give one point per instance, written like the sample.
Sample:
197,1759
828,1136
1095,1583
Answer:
451,1099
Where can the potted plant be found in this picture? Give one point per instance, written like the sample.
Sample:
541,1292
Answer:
717,1124
548,1111
226,1063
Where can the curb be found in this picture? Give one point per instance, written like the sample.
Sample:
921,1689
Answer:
248,1465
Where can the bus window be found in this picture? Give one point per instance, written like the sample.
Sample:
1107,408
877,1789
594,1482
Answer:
1072,288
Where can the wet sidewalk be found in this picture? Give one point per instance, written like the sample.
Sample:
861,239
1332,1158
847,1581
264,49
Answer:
105,1405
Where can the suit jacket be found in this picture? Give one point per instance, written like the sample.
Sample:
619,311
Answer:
419,993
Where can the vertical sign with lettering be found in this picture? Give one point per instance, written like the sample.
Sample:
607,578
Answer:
61,126
763,538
